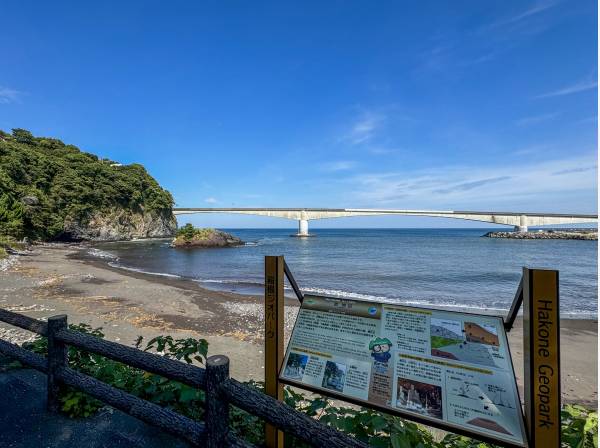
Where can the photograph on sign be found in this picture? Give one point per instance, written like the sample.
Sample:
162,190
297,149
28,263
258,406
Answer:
449,369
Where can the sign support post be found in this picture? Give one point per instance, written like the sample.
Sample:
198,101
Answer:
274,337
541,343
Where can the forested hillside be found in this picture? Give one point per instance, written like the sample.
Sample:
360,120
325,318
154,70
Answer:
50,190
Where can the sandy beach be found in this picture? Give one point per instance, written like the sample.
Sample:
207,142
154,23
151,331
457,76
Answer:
60,279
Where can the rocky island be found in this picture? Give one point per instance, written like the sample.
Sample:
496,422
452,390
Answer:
551,234
189,236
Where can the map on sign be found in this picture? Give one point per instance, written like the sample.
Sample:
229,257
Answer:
449,369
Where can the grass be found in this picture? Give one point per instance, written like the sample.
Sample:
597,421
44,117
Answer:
8,242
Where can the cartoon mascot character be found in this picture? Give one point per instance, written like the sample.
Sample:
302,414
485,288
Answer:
380,349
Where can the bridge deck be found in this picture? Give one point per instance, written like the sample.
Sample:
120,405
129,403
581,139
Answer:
376,211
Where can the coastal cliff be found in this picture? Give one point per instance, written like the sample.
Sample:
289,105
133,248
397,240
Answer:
50,190
120,224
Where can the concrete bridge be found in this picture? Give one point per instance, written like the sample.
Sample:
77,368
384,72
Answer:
520,221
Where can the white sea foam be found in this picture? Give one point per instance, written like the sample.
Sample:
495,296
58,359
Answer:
141,271
102,254
346,294
578,315
8,262
144,240
230,282
441,304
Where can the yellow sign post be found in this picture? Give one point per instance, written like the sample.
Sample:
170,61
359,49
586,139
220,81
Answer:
274,319
541,341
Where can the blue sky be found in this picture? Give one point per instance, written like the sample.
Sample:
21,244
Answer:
483,105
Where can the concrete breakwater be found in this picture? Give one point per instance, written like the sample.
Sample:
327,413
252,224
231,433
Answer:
567,234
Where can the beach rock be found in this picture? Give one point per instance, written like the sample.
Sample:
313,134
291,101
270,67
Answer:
120,224
207,238
587,234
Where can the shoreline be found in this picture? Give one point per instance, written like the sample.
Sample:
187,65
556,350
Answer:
63,279
55,279
175,280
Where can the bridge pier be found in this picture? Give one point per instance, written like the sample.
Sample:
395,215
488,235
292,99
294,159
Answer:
303,228
522,227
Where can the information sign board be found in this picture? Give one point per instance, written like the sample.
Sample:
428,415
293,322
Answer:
447,369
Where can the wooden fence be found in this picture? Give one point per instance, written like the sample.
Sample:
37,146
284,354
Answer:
221,391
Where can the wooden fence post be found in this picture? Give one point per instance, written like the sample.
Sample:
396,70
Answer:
217,408
274,317
57,358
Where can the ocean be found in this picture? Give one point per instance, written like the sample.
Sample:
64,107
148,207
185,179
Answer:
443,268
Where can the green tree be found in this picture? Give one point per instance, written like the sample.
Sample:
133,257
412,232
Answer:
23,136
68,185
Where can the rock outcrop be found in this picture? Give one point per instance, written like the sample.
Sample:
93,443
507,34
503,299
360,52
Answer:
206,238
121,224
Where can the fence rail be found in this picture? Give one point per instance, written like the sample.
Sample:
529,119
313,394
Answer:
221,391
150,362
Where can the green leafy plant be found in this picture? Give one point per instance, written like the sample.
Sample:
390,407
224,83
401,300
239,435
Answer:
76,404
580,427
172,394
189,349
375,428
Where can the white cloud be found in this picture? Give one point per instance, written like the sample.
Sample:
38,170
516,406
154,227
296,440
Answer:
365,129
580,86
537,8
535,184
536,119
8,95
579,169
532,150
592,119
340,165
381,150
478,59
452,53
211,200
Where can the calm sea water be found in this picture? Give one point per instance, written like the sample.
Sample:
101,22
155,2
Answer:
446,268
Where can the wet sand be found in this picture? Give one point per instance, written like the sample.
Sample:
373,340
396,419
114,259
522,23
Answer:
61,279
